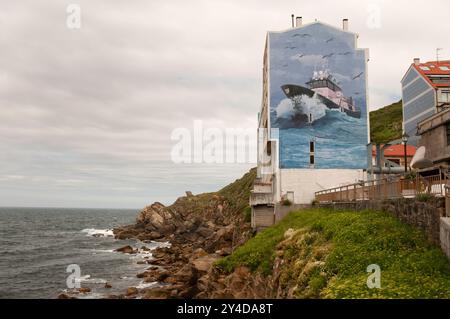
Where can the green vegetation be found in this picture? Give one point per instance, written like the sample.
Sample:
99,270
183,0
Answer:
238,192
424,197
326,254
248,214
386,123
286,202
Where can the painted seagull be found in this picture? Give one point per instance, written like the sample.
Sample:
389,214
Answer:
329,40
357,76
345,53
304,35
327,56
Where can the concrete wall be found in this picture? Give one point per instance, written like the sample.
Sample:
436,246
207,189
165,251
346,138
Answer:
424,215
305,182
434,137
262,216
282,211
445,235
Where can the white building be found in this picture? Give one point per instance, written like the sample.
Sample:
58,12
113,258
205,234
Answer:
313,123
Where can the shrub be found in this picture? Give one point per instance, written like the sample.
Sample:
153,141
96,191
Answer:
286,202
248,214
424,197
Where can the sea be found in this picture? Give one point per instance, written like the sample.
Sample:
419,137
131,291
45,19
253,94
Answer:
47,251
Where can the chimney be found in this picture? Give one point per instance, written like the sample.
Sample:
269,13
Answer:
292,18
298,22
345,24
416,61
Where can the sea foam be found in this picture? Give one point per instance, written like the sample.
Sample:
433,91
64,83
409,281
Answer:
98,232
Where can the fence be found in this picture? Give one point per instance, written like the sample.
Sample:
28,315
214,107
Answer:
385,188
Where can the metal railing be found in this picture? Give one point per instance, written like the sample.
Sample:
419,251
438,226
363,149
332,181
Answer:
385,189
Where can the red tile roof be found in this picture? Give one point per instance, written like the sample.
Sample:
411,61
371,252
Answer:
397,150
435,68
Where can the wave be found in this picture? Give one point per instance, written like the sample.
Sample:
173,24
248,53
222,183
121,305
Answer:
89,280
98,232
299,110
143,284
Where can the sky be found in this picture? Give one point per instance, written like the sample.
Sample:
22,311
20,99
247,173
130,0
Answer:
88,114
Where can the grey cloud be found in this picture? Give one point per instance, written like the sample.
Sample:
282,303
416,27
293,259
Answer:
87,114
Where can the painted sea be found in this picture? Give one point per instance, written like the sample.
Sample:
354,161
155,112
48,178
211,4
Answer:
340,140
38,244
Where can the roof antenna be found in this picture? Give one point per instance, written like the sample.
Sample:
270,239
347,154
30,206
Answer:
437,54
292,18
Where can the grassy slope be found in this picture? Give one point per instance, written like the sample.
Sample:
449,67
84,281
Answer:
329,256
386,123
238,192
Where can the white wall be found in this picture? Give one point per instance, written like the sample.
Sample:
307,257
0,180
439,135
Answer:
305,182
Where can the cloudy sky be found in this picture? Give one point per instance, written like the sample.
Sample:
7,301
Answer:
87,114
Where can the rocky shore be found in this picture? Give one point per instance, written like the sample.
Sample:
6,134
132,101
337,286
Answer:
201,229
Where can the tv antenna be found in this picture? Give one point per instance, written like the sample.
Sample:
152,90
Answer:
437,54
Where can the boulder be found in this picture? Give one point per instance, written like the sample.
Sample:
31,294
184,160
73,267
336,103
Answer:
203,264
84,290
108,286
131,291
127,250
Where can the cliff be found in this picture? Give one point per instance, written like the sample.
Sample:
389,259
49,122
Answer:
201,229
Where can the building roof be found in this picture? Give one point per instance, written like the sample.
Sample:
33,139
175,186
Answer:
434,69
397,150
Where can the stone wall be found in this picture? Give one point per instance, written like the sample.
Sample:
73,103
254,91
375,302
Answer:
445,235
423,215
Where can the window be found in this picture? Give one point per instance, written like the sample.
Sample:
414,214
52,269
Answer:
448,133
445,97
311,147
425,68
311,159
444,68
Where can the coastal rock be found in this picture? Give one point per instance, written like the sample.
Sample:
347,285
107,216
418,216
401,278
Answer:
84,290
131,291
203,264
108,286
65,296
200,228
127,250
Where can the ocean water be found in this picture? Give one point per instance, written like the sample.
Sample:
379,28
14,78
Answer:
38,244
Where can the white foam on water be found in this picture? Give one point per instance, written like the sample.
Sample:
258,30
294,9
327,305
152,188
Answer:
310,106
89,280
98,232
143,284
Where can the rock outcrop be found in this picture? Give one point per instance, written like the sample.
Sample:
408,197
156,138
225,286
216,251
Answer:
201,229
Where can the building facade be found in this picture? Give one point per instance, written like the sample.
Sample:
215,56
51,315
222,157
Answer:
313,123
425,91
434,134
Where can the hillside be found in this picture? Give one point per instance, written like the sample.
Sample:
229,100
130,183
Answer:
386,123
319,253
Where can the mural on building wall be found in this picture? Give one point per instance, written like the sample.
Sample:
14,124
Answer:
318,94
